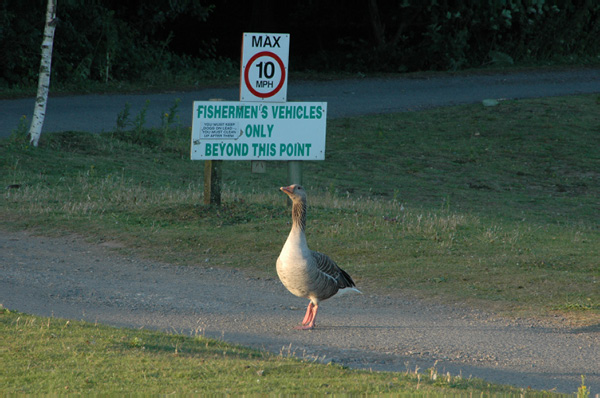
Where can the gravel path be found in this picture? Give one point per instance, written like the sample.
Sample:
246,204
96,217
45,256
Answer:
66,277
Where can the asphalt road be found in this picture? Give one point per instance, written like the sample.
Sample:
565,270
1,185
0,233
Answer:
97,113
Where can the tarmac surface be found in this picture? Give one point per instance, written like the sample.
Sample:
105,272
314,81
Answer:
355,97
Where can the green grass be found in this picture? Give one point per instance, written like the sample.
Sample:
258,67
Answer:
492,206
56,356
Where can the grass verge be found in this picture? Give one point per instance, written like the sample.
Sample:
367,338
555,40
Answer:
493,206
55,356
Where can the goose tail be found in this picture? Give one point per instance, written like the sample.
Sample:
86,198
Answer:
348,290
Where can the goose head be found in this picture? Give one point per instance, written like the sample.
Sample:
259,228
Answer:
295,192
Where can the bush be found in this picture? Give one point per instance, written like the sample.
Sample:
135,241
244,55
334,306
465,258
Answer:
443,35
154,41
98,41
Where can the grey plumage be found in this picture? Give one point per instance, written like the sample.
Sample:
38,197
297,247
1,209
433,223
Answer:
304,272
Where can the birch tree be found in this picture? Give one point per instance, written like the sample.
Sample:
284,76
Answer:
39,111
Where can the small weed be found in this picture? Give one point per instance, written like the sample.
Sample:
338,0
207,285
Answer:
136,342
132,131
123,118
582,391
140,119
166,137
579,305
171,117
20,135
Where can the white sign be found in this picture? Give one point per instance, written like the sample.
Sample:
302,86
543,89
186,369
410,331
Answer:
258,131
264,73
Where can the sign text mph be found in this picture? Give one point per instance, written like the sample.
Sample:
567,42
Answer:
264,67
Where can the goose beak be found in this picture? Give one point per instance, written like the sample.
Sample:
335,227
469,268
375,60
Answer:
289,190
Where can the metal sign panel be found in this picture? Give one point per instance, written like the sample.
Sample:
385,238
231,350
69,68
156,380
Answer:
258,131
264,73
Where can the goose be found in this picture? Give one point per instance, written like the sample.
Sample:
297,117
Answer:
304,272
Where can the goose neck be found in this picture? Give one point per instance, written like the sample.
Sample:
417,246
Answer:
299,215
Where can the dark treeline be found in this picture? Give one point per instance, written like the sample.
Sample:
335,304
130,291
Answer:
151,39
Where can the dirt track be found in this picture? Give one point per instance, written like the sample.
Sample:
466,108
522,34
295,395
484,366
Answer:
66,277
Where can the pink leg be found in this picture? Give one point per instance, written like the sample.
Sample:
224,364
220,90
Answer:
309,320
308,315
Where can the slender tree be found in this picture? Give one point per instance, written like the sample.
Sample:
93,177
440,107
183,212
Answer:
39,111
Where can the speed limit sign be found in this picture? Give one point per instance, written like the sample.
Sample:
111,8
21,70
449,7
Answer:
264,67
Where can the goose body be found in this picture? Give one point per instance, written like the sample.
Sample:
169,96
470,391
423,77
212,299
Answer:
305,272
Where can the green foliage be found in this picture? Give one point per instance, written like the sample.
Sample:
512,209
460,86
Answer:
184,43
166,138
20,136
170,117
140,119
436,35
123,118
106,42
582,391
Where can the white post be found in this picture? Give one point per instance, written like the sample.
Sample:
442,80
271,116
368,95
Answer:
295,172
294,175
39,111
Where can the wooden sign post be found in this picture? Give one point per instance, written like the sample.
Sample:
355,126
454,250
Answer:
212,182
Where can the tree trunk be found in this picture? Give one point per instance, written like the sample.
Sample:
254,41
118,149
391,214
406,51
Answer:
378,27
39,111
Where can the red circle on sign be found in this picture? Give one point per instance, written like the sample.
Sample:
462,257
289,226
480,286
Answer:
247,80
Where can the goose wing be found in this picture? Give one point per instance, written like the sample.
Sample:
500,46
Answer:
328,267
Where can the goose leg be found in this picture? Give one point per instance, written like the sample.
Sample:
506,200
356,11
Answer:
308,315
309,319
